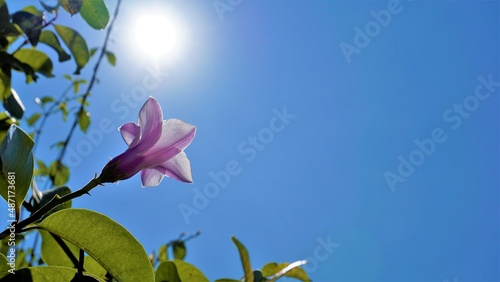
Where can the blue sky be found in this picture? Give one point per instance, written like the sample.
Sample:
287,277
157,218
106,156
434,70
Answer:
320,175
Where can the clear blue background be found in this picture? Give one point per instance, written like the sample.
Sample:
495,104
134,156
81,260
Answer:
323,175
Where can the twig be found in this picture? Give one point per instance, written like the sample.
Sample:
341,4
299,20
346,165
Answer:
91,83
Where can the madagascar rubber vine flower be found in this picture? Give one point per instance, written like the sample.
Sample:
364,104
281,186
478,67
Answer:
155,148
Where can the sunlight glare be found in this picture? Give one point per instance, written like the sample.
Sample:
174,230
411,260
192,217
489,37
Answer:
155,35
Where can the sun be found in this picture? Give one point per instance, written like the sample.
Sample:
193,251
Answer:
156,36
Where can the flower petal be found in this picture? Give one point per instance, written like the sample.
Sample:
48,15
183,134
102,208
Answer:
178,168
150,122
176,136
130,133
151,177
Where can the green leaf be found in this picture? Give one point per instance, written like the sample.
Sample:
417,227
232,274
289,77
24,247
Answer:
50,9
5,80
33,10
4,266
5,122
30,24
84,120
92,51
111,58
42,168
163,253
106,241
16,161
188,272
167,272
9,60
179,250
59,173
76,85
6,27
292,270
245,259
76,45
37,60
49,38
33,118
14,105
95,13
64,110
44,274
71,6
46,99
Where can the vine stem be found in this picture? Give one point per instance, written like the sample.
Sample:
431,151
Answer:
91,83
55,202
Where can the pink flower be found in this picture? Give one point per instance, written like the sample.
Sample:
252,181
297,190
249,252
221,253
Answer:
155,148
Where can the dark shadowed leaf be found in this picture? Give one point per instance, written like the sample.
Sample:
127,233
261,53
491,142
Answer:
44,274
10,61
14,105
30,24
17,164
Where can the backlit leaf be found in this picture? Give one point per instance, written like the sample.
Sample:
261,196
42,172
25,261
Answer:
76,44
84,120
245,259
95,13
71,6
48,37
33,118
59,173
37,60
167,272
111,58
105,240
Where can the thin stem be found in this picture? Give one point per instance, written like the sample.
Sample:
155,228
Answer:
91,83
55,202
66,249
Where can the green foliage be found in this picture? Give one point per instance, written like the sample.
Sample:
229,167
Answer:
11,62
5,80
84,120
188,272
49,38
5,122
45,196
71,6
167,272
105,240
37,60
16,160
44,274
245,259
4,266
48,8
76,44
13,105
111,58
59,173
179,249
30,24
33,118
285,269
95,13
